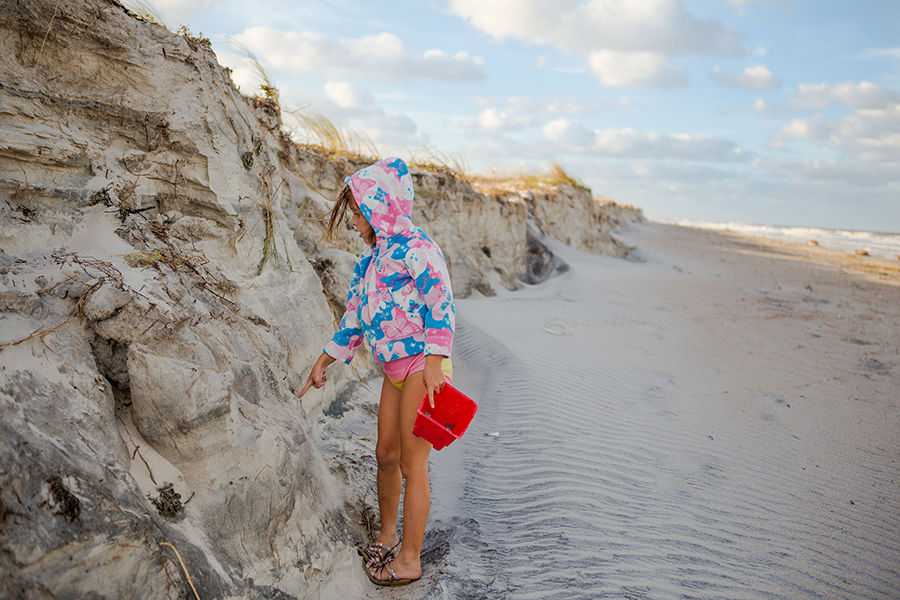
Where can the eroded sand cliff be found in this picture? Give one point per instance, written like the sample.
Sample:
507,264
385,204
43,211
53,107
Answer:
163,291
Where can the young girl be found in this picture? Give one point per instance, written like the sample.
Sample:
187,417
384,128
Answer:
400,300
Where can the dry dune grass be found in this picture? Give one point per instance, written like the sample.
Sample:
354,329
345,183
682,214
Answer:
322,134
500,181
144,11
455,165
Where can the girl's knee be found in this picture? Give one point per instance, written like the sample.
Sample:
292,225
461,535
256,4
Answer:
414,467
387,455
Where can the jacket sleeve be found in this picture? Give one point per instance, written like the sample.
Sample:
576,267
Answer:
349,335
428,268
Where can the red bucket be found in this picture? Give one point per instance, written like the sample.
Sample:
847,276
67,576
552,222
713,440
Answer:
448,420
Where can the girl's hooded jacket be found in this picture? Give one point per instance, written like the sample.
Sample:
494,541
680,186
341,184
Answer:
400,297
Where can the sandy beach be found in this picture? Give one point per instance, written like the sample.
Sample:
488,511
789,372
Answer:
711,417
718,417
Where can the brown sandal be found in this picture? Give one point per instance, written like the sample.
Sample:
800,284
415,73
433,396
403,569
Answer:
394,580
375,553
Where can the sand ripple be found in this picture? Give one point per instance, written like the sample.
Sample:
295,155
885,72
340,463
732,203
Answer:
610,478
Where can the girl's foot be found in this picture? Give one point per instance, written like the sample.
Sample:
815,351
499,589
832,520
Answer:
375,553
384,574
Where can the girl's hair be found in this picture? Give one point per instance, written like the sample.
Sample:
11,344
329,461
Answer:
343,202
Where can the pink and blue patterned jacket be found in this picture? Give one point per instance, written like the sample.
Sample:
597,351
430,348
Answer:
400,297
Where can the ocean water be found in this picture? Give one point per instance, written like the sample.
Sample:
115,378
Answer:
883,245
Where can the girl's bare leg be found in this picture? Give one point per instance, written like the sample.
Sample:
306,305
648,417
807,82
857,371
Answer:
387,453
414,453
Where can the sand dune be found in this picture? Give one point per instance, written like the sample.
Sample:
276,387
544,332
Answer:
717,419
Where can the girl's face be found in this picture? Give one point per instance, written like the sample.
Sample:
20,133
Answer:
359,223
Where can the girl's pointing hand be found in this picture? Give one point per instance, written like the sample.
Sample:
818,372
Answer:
317,377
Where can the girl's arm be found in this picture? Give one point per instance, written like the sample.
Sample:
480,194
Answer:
349,335
317,377
347,338
429,272
428,269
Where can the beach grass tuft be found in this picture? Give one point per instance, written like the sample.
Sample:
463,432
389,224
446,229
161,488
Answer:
429,160
145,12
500,181
268,92
322,134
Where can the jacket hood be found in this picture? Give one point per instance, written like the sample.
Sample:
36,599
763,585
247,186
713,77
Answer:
384,193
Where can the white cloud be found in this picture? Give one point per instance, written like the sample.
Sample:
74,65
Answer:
393,129
628,42
870,132
881,52
571,105
381,57
523,112
627,69
482,100
568,105
759,106
518,112
661,26
498,152
768,110
753,78
495,121
348,95
803,129
522,104
872,137
571,136
864,95
819,96
847,173
688,172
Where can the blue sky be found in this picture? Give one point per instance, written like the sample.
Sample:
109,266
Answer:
760,111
